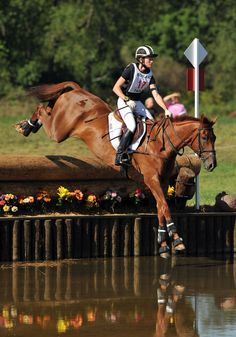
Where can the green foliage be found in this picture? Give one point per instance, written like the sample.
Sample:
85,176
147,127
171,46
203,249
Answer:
91,41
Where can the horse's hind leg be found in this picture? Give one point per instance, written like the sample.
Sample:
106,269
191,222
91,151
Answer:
33,124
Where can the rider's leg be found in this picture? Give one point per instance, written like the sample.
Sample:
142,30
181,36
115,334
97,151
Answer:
126,138
141,110
121,157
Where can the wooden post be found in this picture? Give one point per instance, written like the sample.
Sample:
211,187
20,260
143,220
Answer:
95,243
137,237
115,238
48,239
27,240
106,240
38,241
59,244
127,240
78,239
69,238
15,241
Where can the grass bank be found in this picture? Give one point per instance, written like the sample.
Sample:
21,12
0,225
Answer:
223,178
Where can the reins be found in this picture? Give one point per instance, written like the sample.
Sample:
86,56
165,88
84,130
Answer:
169,140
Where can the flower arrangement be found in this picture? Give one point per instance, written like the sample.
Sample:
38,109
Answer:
111,198
137,196
67,201
8,203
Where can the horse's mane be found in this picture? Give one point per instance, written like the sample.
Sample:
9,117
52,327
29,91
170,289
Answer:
203,119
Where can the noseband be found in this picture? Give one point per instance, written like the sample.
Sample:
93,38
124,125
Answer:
201,147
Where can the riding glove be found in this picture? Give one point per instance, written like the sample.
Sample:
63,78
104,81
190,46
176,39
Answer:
168,113
131,104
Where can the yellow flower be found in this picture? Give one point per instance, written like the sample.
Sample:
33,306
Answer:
63,192
91,198
62,325
171,191
6,208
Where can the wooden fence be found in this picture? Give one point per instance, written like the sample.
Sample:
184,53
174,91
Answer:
66,237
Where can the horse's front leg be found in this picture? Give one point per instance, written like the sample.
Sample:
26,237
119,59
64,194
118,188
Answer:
170,226
166,227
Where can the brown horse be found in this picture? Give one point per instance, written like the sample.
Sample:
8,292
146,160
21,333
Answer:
74,112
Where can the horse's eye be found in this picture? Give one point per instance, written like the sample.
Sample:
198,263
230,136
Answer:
205,138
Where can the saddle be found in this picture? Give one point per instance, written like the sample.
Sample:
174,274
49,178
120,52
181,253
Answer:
139,125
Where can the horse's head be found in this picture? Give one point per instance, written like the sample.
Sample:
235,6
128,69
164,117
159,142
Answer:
204,143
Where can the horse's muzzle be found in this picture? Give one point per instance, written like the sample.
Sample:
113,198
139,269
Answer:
210,162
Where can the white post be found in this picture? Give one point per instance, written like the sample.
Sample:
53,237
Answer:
196,114
196,53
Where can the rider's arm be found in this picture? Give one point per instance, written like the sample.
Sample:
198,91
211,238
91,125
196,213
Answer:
117,88
157,97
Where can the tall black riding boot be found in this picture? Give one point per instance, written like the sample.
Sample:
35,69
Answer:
122,158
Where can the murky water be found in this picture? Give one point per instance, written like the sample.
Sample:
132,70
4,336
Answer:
119,297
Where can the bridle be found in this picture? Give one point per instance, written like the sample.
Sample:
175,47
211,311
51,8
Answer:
200,145
200,150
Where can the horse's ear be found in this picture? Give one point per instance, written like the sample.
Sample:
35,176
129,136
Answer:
214,120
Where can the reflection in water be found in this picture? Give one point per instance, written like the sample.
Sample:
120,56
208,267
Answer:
135,296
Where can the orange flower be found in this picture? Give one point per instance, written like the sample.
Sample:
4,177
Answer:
78,194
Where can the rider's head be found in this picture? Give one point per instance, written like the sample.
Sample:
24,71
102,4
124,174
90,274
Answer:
143,52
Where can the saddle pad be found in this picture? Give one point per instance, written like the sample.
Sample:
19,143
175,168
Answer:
115,127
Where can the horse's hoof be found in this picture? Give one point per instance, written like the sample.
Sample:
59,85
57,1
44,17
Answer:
178,244
164,252
24,128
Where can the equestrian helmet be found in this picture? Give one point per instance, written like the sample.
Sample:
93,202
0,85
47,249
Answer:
144,51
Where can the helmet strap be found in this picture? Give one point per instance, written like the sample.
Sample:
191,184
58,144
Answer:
140,61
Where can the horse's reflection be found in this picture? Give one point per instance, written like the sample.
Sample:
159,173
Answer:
121,291
175,316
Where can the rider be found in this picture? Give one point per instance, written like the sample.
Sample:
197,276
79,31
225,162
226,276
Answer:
135,78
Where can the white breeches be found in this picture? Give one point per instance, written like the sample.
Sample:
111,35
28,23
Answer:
128,115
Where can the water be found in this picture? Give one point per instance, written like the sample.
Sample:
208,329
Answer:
119,297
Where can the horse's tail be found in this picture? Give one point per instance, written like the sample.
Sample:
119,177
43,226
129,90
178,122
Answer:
48,92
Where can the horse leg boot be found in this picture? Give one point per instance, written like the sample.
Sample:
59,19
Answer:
33,124
177,241
122,157
161,236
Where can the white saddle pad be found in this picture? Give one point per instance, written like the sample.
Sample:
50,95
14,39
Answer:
114,127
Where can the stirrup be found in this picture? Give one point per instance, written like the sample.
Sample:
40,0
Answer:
171,229
122,159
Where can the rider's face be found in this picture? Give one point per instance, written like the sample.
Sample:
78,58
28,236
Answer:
148,61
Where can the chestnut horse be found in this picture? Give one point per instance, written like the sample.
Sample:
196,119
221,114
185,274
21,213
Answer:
75,112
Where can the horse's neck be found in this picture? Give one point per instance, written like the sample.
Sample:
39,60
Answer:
183,132
187,127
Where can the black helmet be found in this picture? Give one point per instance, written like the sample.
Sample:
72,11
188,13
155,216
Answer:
144,51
